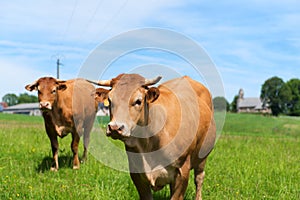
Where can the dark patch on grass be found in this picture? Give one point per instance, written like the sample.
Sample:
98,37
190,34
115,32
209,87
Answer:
64,161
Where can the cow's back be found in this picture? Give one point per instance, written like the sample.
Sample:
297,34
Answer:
77,102
202,92
207,128
83,98
194,108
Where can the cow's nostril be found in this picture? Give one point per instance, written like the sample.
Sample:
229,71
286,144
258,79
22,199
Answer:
113,126
109,127
45,105
121,128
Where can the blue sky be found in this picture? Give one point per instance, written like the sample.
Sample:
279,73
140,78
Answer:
248,41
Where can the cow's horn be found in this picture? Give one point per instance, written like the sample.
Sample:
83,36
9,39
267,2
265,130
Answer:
152,81
101,83
60,81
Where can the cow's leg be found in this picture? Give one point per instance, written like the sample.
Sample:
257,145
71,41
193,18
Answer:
143,188
54,147
199,178
74,147
179,186
52,135
86,137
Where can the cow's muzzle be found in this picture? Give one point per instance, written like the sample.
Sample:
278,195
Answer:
116,129
45,105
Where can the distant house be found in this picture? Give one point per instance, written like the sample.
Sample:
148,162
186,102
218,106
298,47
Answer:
33,109
250,104
24,108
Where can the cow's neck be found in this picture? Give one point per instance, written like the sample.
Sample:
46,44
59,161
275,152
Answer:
61,119
155,167
63,107
144,140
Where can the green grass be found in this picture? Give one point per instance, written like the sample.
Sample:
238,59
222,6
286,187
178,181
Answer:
256,157
258,125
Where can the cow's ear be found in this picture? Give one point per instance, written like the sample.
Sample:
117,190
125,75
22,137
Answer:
152,94
61,86
101,95
31,87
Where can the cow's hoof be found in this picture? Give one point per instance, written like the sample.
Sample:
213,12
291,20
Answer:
76,167
53,169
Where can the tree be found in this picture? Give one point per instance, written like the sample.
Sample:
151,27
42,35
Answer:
10,99
285,95
26,98
220,104
276,94
294,104
233,105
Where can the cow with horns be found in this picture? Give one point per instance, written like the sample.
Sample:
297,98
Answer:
167,130
67,107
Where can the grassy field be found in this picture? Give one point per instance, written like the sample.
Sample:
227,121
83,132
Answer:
256,157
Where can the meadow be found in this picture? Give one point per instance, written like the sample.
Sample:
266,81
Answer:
256,157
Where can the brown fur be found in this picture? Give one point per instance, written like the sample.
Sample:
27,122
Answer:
73,110
180,128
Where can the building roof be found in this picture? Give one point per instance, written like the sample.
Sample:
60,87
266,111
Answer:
22,106
250,103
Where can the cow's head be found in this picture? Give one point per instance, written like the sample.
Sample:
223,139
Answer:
129,98
47,88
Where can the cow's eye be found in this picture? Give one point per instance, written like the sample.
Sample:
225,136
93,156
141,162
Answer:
53,91
138,102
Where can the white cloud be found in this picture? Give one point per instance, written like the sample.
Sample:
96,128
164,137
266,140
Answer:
77,20
245,39
14,76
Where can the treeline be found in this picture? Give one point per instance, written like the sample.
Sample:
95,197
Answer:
12,99
283,98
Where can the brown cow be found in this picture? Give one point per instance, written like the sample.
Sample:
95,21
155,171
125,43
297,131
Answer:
67,106
167,130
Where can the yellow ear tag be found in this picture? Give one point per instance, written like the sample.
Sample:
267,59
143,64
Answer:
106,103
